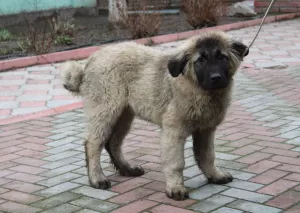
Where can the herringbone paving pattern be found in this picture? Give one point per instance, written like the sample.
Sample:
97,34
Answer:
42,167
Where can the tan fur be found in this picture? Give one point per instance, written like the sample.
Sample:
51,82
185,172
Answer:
127,79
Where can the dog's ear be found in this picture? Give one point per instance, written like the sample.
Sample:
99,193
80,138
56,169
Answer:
177,64
239,49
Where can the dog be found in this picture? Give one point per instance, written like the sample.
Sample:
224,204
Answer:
186,92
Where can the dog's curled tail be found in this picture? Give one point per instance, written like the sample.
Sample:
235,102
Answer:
72,73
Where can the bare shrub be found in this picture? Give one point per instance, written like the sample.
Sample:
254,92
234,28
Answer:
202,13
64,27
143,22
38,39
49,30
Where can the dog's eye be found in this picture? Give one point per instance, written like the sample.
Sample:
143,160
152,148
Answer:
222,57
202,59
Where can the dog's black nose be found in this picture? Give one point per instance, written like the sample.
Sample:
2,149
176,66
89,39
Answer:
215,77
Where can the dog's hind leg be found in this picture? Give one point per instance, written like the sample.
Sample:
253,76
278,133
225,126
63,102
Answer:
204,152
101,120
114,145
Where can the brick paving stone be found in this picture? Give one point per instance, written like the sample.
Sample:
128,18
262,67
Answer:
212,203
156,186
246,185
285,200
135,207
25,177
253,158
283,159
20,197
128,197
206,191
59,179
28,169
269,176
59,171
278,187
239,174
57,200
253,207
196,182
86,211
66,208
162,198
94,204
5,172
293,177
22,186
4,181
29,161
13,207
2,190
158,176
246,195
294,209
261,166
63,162
57,189
95,193
167,208
191,171
227,210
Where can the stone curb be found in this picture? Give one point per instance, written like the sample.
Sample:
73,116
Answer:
40,114
83,53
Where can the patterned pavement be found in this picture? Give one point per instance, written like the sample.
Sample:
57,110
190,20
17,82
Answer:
42,167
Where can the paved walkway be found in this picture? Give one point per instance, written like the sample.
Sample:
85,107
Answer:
42,161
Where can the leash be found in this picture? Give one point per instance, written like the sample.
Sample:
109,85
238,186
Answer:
261,24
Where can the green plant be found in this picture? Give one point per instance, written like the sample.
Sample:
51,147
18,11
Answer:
149,42
5,35
5,51
64,27
64,40
202,13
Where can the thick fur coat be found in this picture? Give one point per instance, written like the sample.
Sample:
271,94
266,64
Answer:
124,80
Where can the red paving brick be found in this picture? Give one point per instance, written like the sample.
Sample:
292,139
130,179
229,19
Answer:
131,196
136,207
262,166
161,197
130,184
285,200
269,176
167,209
278,187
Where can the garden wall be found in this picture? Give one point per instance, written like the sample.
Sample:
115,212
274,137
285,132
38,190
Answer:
280,6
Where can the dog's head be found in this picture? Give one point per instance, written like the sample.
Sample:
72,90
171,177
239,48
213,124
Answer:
210,60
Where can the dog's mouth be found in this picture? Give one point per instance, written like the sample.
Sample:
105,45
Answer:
215,86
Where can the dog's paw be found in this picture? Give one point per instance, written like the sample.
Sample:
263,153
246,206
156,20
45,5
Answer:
222,178
100,184
132,171
177,193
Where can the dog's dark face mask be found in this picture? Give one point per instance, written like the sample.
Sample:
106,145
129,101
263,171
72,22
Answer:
211,63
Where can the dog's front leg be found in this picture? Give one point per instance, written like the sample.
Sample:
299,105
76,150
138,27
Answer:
172,153
204,152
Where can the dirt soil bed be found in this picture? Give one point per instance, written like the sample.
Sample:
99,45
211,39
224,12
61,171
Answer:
95,30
